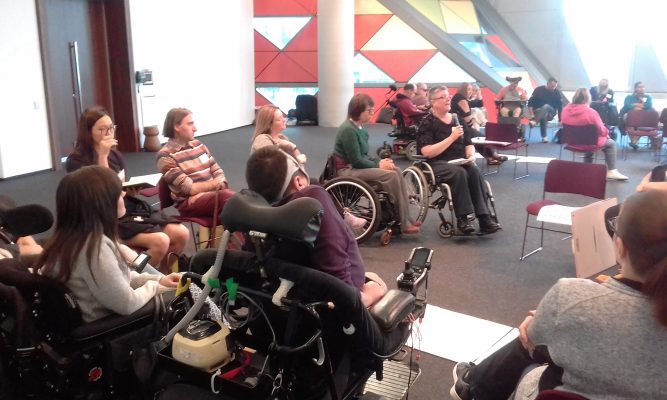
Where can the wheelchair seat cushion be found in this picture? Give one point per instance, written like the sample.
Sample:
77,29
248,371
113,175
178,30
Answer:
297,220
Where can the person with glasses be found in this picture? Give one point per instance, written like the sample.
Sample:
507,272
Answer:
442,139
96,145
352,159
279,178
600,341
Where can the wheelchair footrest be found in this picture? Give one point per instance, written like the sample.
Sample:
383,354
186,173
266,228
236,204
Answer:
395,384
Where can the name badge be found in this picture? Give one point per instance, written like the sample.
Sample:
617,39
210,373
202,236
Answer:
203,158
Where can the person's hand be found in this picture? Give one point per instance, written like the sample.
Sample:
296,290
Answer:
170,281
131,191
457,132
523,331
470,159
107,142
387,164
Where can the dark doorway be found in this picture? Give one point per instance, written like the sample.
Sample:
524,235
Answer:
87,61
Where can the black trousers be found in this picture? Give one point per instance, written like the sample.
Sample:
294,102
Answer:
467,186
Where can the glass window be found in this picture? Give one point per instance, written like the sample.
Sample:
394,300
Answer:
284,97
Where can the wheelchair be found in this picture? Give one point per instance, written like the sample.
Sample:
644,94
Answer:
404,142
48,352
293,332
516,121
363,200
422,185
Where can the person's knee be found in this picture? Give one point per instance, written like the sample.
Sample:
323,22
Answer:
158,244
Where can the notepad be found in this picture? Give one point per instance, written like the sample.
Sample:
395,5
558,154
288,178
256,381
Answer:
142,181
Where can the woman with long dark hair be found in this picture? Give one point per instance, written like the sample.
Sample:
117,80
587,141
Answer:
95,145
84,252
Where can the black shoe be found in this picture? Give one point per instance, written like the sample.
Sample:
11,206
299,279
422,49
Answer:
461,389
634,146
464,225
487,224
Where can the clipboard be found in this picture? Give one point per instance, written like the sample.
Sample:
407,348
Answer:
592,246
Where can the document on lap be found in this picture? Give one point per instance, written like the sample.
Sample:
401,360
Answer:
482,140
459,161
142,181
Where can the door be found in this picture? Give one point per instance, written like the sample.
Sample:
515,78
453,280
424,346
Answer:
76,40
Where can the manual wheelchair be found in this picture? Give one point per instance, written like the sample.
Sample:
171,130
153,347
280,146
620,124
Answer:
294,332
404,137
422,185
363,200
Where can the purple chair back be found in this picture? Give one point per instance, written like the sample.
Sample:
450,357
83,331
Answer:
576,178
579,135
642,119
501,132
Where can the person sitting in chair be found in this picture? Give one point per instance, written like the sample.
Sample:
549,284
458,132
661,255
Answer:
280,179
544,104
188,167
410,112
583,331
441,140
84,252
511,97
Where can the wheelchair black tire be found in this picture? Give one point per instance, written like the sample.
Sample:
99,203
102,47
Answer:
358,197
411,150
418,197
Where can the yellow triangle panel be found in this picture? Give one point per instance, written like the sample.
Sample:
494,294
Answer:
397,35
460,17
431,10
367,7
440,69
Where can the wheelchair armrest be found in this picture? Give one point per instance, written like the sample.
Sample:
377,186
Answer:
114,323
393,308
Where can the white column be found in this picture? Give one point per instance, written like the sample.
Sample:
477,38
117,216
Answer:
335,46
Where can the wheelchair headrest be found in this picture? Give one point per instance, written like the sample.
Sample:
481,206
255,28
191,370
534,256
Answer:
297,220
23,220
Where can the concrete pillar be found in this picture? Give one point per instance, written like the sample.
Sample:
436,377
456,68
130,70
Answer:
335,46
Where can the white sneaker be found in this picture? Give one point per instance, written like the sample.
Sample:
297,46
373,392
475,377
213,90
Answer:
353,221
545,140
615,175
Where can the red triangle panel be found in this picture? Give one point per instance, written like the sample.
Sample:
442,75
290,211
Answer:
310,5
273,8
263,44
262,59
260,100
306,60
306,39
366,26
400,65
379,96
500,44
284,69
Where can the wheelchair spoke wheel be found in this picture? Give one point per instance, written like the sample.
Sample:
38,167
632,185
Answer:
356,197
415,185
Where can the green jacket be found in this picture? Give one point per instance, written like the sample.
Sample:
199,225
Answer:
352,145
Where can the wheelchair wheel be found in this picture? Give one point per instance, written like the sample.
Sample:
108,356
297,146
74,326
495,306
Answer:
384,152
446,230
356,196
411,150
415,185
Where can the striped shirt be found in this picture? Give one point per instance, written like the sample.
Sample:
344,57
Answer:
181,166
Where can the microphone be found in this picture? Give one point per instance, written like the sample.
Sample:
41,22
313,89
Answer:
455,120
26,220
392,88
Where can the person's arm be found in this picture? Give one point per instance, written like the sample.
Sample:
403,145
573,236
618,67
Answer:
175,177
648,104
501,93
351,151
603,131
373,290
465,108
434,150
111,285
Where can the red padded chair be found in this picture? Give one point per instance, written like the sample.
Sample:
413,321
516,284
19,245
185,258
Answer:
663,121
580,139
640,123
558,395
209,223
509,134
588,180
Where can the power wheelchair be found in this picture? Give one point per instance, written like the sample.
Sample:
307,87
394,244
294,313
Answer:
363,200
422,184
295,332
404,137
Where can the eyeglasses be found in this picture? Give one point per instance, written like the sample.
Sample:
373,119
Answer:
370,110
438,98
108,129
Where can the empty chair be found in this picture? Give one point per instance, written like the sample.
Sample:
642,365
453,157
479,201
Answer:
639,123
506,133
565,177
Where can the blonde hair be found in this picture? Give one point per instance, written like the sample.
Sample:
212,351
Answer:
581,96
264,120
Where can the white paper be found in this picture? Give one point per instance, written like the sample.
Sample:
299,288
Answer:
535,160
459,161
556,214
482,140
471,339
145,180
